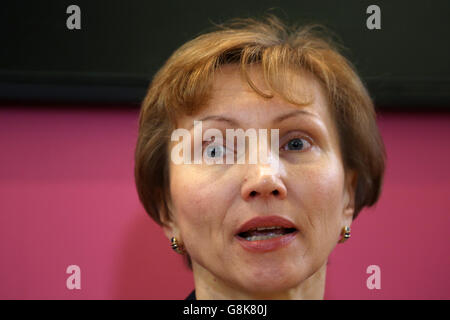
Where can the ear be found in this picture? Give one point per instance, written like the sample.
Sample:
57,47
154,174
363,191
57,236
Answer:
168,223
349,196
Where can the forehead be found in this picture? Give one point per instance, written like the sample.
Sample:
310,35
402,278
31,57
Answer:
231,95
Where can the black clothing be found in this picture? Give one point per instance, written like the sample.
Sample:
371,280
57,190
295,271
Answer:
191,296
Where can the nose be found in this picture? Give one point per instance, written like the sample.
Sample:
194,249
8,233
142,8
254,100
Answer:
263,181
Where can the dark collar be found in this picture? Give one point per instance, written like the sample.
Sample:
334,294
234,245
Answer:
191,296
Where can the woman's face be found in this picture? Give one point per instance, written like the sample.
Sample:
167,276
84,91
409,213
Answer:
307,189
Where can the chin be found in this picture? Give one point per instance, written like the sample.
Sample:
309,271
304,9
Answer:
273,280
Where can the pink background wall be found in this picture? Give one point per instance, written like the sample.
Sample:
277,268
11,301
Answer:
67,196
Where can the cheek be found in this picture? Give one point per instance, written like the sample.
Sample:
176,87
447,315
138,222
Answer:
326,186
199,201
319,190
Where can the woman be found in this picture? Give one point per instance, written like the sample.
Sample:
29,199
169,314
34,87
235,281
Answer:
265,229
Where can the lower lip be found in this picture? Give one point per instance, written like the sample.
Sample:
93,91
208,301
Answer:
268,244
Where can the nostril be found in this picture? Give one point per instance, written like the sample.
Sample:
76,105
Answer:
254,193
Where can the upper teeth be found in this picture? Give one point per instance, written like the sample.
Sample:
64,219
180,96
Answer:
267,228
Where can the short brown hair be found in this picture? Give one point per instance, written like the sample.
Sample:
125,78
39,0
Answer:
183,85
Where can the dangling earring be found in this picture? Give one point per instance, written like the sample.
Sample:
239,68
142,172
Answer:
345,234
178,248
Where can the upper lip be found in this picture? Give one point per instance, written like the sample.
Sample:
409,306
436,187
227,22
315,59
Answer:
266,221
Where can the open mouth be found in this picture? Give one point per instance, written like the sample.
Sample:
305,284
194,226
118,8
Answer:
265,233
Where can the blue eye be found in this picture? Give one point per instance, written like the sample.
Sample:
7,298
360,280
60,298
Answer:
214,151
296,144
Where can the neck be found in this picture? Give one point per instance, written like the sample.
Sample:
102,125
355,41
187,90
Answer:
210,287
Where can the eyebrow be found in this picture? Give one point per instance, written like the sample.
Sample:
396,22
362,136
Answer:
278,119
